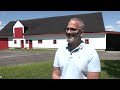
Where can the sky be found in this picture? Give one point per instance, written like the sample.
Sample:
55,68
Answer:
111,18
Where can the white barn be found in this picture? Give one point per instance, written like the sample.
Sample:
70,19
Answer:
50,32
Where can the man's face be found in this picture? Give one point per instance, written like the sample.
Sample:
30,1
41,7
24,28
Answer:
73,31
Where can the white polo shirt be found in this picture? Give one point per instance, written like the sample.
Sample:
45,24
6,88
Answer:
76,64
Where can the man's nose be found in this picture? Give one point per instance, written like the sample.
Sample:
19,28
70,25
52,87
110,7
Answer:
69,31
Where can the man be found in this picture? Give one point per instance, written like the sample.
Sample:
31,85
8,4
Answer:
76,60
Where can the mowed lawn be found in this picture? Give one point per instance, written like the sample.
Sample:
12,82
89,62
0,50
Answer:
43,70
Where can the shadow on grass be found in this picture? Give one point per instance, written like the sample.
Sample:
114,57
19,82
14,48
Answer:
112,67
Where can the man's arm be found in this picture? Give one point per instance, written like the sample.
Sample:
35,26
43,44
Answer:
56,73
93,75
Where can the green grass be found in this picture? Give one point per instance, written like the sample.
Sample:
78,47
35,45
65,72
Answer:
110,69
43,70
37,70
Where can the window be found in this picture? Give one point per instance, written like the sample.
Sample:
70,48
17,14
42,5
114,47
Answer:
39,41
87,41
26,41
15,42
30,41
54,42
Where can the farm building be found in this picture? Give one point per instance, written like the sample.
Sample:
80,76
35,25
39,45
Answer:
50,33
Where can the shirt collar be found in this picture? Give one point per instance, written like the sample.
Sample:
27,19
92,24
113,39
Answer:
81,45
77,48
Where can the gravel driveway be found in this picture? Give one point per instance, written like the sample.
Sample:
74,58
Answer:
8,57
18,57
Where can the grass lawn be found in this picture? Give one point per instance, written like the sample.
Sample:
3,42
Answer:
110,69
42,70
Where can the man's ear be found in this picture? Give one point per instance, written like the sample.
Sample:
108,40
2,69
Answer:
82,31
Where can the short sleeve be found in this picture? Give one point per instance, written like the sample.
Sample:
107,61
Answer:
56,59
94,62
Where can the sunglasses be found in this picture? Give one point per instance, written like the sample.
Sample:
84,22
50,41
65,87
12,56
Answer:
72,29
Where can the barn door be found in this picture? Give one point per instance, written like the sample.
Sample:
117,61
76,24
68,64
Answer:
22,43
30,44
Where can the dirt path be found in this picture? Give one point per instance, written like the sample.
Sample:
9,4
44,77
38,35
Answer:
19,57
8,57
109,55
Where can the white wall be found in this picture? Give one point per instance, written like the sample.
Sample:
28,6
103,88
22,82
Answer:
10,42
47,41
17,45
97,41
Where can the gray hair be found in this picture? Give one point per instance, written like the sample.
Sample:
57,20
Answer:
81,25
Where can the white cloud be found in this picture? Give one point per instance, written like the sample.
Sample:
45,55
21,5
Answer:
1,25
0,22
118,23
109,28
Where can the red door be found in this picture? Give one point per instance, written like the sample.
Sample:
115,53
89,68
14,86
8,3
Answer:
22,43
3,43
18,33
30,44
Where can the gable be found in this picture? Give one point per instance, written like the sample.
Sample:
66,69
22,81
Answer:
55,25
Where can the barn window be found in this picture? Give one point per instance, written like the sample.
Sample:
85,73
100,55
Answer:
30,41
26,41
87,41
15,41
39,41
54,42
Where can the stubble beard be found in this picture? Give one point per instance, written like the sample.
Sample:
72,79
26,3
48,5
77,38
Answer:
70,39
73,39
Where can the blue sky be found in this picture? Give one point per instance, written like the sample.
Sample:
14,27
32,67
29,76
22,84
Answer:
111,18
